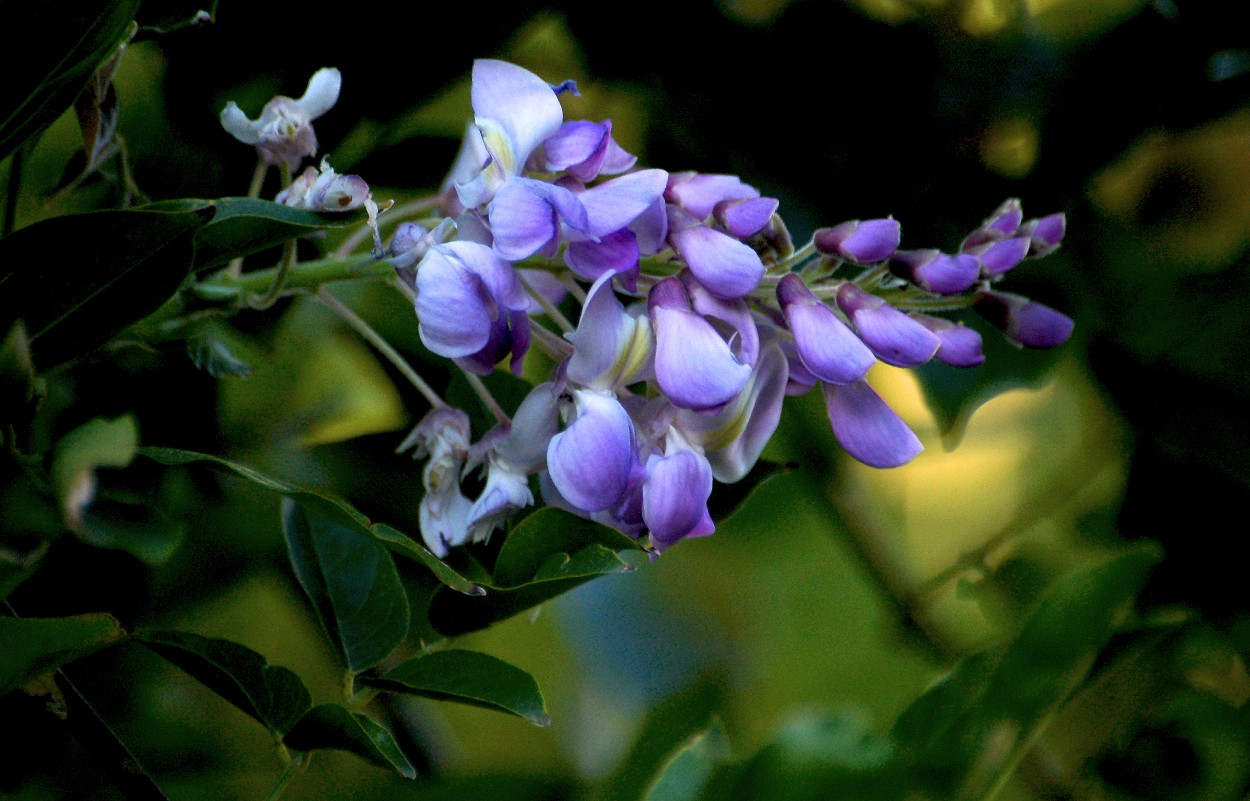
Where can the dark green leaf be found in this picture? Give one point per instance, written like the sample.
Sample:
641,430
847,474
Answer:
545,555
243,226
140,530
352,582
273,695
404,545
31,647
688,771
468,677
728,499
72,303
62,43
973,727
98,443
332,507
332,726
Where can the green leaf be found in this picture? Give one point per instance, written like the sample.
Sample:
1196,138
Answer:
970,730
138,529
352,582
243,226
547,554
689,770
62,43
467,677
332,726
31,647
727,500
334,508
135,262
17,375
273,695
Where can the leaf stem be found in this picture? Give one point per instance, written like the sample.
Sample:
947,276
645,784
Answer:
279,282
299,763
374,338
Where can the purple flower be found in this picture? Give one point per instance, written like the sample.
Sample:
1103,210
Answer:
694,365
283,134
868,428
526,215
674,494
1044,234
745,217
827,349
997,258
1027,322
471,307
1002,224
961,345
698,193
892,335
513,111
591,461
443,437
612,348
585,150
728,267
860,241
506,491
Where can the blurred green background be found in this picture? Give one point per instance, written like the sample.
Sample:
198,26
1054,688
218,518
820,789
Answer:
837,592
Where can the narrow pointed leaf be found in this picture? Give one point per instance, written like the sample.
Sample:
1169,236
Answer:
62,43
352,582
404,545
79,279
273,695
242,226
332,726
468,677
31,647
691,767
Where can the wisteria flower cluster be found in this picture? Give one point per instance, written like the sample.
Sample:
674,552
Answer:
698,314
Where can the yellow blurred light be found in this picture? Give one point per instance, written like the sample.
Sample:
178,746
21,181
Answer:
1010,147
986,17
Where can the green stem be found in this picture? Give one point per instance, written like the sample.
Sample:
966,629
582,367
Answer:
235,267
488,400
554,314
299,763
393,356
279,282
310,275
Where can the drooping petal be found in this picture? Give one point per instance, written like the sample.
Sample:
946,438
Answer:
585,149
516,110
506,491
238,125
828,349
745,343
893,336
694,366
674,497
464,294
868,428
535,422
590,461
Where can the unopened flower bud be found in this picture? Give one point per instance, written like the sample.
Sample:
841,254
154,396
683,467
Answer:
745,217
961,345
936,271
1032,324
892,335
997,258
860,241
1044,233
999,225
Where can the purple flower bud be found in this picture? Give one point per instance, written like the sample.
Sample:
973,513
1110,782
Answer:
961,345
827,348
1032,324
935,271
868,428
746,217
860,241
1044,233
1002,224
698,193
674,496
997,258
896,338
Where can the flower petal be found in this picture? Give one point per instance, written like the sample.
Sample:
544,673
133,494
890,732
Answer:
521,105
727,267
674,497
868,428
590,461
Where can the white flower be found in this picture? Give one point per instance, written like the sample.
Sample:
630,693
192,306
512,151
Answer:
283,133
